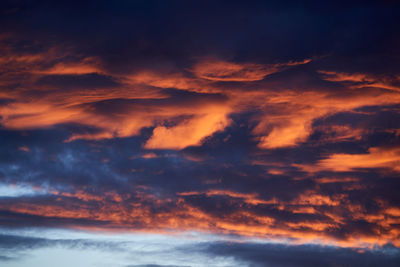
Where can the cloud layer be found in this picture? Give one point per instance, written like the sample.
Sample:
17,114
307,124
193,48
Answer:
268,121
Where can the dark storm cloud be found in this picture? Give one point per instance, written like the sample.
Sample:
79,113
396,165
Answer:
278,255
243,253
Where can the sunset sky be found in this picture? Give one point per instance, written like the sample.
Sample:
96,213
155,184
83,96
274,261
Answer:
165,133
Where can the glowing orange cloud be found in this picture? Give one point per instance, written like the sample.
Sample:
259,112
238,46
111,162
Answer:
161,80
314,199
285,117
247,198
339,133
86,66
218,70
376,157
116,211
54,107
53,61
288,116
287,131
190,132
204,121
327,180
359,80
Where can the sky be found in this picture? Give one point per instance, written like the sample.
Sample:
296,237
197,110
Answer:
199,133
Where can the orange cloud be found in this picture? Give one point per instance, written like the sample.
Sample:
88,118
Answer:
328,180
203,121
29,110
218,70
287,131
114,211
191,132
285,117
314,199
339,133
161,80
52,61
288,116
55,107
360,80
252,199
377,157
85,66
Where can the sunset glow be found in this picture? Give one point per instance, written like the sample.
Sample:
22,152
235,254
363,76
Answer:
215,133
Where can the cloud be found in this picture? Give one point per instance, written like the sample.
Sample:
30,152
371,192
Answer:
279,255
288,116
87,65
218,70
156,265
361,80
68,88
310,216
209,118
207,115
234,252
377,157
17,243
189,132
